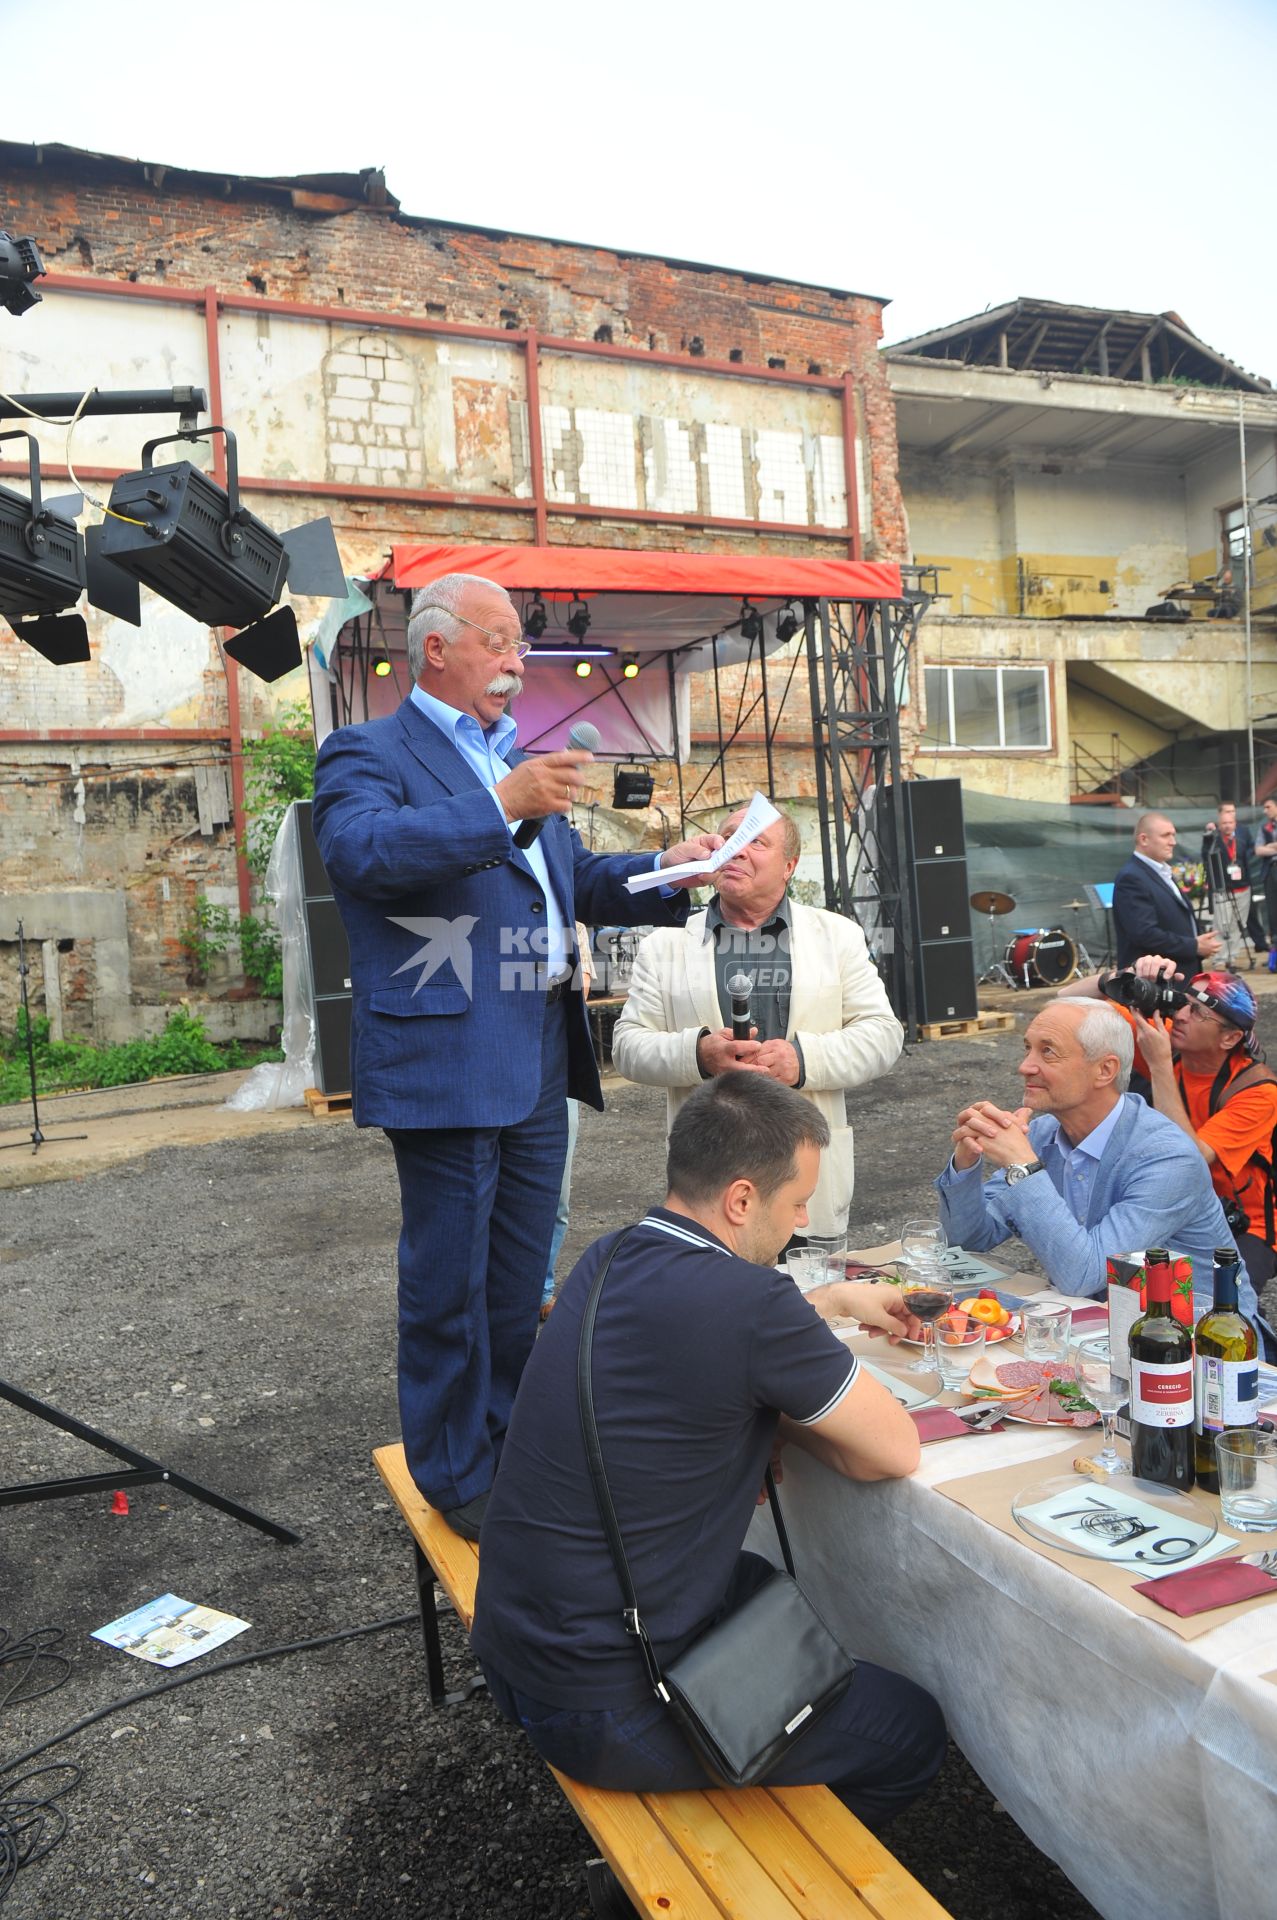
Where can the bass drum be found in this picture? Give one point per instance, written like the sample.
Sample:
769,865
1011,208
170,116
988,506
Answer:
1042,958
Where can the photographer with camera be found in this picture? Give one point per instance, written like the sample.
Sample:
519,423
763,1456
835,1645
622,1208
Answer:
1197,1045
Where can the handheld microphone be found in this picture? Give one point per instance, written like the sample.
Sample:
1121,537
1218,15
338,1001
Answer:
583,735
740,986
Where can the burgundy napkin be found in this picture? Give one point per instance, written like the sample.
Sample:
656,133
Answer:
941,1423
1198,1589
1087,1316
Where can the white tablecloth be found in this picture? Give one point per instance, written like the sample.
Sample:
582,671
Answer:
1145,1765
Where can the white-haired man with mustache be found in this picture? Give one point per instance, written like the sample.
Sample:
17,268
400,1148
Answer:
468,1033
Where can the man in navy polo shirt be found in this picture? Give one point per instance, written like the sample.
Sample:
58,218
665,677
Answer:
704,1358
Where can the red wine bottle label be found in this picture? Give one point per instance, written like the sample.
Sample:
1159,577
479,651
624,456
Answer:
1161,1395
1226,1393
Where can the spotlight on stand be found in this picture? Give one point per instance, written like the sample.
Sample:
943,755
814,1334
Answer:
578,618
382,668
534,620
20,264
583,669
629,666
176,531
632,788
751,622
42,567
787,624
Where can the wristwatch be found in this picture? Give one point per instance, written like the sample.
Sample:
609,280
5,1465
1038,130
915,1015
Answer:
1022,1171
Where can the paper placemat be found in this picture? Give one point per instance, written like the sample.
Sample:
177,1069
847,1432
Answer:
989,1496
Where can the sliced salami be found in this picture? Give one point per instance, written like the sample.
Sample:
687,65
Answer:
1018,1374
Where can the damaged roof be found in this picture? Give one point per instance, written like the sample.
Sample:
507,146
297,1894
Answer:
1044,336
344,192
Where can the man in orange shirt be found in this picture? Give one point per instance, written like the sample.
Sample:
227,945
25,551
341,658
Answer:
1205,1076
1205,1072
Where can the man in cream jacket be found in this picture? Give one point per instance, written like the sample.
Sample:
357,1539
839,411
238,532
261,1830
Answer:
822,1021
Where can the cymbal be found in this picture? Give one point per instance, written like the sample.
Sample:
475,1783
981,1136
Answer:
993,902
1078,906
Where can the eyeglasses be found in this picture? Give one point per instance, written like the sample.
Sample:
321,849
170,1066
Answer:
1196,1011
496,644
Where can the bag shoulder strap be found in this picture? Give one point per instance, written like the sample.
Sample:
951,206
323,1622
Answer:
603,1493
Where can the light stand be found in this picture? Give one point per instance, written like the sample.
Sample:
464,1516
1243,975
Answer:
141,1470
1225,915
37,1137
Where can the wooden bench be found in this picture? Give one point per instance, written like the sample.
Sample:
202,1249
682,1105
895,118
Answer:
761,1853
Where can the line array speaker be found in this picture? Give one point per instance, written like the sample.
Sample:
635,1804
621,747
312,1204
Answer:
935,873
328,957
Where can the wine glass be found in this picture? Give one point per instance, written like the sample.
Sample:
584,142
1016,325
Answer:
1106,1391
927,1288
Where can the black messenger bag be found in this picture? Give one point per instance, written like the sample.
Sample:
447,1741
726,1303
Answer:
755,1681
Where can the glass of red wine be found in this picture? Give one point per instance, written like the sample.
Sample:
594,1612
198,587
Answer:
926,1285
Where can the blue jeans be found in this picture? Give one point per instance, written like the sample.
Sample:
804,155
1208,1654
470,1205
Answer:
877,1748
565,1197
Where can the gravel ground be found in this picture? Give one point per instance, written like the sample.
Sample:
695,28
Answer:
229,1309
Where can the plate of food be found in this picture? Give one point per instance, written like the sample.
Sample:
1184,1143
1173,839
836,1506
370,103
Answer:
1000,1322
1035,1393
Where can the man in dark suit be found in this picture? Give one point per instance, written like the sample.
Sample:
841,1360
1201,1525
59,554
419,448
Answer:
469,1031
1150,914
1227,853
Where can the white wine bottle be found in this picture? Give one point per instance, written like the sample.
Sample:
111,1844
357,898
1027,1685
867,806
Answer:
1225,1370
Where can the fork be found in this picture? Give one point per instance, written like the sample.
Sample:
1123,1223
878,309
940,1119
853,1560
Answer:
1265,1560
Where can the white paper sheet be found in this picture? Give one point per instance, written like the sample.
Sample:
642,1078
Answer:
757,819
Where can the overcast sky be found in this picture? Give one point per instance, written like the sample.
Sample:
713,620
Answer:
1111,153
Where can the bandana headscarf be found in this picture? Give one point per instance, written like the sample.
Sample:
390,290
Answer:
1230,998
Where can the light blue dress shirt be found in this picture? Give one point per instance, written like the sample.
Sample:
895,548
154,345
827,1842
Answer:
1081,1162
487,754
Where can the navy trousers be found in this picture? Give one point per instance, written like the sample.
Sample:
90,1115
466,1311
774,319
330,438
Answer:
478,1209
877,1748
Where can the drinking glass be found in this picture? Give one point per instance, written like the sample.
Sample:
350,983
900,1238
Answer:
924,1281
1106,1391
1046,1332
959,1343
1247,1462
807,1268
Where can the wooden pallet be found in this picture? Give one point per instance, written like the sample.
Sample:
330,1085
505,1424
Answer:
967,1029
326,1106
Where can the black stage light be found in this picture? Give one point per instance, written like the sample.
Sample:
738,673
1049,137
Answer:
20,264
787,624
42,566
632,787
751,622
194,543
629,665
578,618
534,621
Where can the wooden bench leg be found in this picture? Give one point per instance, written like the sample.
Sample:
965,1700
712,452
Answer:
426,1590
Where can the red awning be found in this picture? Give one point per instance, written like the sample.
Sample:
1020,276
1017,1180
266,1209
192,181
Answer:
588,570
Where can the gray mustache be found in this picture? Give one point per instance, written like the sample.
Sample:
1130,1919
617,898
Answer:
505,683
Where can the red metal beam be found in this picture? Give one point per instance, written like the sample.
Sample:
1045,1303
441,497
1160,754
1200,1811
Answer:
388,320
850,437
536,459
239,817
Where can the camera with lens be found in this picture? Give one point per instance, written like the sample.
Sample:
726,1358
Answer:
1149,997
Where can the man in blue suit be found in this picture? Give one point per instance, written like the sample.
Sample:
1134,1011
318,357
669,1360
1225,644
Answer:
1083,1170
468,1029
1150,914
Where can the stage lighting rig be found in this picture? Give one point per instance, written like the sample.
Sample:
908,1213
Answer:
578,618
173,529
787,625
751,622
632,788
535,619
20,264
42,566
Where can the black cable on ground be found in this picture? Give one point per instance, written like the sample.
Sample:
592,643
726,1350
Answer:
31,1824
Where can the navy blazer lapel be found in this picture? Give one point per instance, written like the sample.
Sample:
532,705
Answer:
1158,888
429,744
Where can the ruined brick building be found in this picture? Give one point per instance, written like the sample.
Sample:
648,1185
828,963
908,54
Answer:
416,381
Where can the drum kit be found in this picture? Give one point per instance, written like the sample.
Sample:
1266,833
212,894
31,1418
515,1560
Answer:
1034,956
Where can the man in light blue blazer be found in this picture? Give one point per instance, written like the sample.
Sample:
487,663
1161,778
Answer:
1083,1169
468,1031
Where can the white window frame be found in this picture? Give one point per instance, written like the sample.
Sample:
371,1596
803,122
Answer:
948,745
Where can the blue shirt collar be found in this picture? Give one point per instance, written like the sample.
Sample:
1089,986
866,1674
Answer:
1096,1140
451,721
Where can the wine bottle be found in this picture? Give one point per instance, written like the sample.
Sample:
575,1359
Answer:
1225,1370
1161,1350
